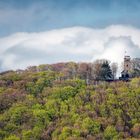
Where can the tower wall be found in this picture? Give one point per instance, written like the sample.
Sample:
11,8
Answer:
127,63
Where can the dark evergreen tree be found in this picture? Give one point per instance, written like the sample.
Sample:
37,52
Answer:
105,72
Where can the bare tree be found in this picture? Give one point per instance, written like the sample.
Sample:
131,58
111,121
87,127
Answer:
135,67
114,68
101,70
96,67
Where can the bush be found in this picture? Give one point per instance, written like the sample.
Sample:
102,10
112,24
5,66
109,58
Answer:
136,130
12,137
27,135
110,133
92,126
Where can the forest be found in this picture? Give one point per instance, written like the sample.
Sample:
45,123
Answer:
69,101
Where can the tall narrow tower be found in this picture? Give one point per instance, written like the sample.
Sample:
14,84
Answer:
125,74
127,64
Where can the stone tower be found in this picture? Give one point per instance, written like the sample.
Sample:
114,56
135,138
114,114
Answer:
125,74
127,64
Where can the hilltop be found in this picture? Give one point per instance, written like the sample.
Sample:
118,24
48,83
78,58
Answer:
63,102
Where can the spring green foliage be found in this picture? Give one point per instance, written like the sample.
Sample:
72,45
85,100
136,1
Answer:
50,105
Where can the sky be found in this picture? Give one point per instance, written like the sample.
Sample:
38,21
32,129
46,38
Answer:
34,32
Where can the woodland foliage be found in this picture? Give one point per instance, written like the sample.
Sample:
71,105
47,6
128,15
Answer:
56,102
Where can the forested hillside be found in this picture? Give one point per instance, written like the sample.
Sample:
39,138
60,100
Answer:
55,102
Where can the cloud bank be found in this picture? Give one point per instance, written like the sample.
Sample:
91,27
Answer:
69,44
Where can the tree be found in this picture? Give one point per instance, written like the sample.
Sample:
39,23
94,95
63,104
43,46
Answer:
110,132
82,70
66,132
135,67
72,69
96,68
114,68
32,68
105,72
101,70
92,126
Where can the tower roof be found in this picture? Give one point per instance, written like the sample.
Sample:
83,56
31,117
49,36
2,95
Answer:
127,57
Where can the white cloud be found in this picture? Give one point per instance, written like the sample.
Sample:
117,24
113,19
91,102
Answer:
69,44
